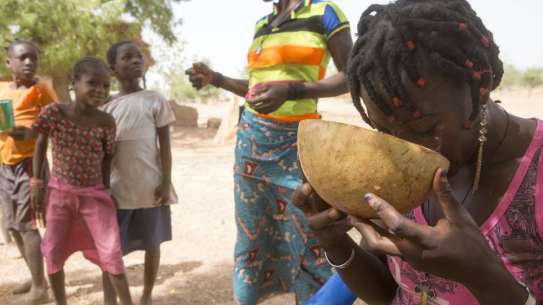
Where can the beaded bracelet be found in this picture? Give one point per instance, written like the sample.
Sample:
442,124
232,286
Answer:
296,91
531,300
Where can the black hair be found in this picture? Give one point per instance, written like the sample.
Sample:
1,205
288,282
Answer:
86,65
112,56
113,50
18,42
396,37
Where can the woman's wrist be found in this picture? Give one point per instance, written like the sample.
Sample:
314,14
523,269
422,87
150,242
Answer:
217,79
339,250
497,287
296,91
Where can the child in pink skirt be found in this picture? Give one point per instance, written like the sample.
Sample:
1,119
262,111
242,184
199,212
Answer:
80,213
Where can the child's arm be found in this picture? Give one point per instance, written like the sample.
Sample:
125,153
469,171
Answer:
22,133
162,193
109,148
37,168
106,170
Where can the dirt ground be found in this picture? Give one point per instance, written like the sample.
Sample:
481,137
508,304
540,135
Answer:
196,265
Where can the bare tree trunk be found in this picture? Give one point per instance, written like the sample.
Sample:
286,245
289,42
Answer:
61,84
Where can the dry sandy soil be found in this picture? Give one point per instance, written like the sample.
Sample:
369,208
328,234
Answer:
196,265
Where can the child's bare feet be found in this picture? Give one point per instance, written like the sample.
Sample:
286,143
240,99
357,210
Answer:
36,296
146,300
23,288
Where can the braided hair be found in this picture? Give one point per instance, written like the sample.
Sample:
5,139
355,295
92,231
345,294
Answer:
86,65
397,36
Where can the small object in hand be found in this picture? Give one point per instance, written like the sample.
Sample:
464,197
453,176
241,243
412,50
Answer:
41,219
7,119
38,219
344,162
251,93
36,183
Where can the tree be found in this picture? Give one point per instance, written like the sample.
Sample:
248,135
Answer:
173,80
512,77
70,29
533,77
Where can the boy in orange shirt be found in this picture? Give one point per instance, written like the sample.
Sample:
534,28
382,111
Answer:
28,96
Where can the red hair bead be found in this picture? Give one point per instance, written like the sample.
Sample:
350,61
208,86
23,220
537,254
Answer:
468,124
462,27
421,82
485,41
410,45
477,75
397,102
391,119
468,63
417,114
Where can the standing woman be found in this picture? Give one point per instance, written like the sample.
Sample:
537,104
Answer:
287,61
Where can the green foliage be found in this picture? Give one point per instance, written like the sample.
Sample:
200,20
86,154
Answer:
181,90
176,85
70,29
533,77
512,77
515,78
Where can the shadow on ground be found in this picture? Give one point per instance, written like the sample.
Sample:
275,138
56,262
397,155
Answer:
86,287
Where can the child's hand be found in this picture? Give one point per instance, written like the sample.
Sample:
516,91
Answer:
162,193
20,133
37,195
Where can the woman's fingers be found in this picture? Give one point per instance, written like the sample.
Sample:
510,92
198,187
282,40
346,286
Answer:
452,209
301,198
375,242
324,219
200,67
259,89
259,98
397,224
197,80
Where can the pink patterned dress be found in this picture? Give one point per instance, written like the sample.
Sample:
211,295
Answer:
514,231
80,215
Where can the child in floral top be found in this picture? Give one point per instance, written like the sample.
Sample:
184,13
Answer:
81,215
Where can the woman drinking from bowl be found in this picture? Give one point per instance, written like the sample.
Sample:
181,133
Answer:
425,70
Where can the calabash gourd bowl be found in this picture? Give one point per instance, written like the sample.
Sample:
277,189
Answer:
343,162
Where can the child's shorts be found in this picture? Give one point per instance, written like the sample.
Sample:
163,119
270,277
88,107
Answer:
142,229
15,195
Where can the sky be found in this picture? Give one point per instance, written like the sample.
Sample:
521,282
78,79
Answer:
221,30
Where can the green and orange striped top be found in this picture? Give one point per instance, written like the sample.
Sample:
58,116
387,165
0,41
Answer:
296,50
